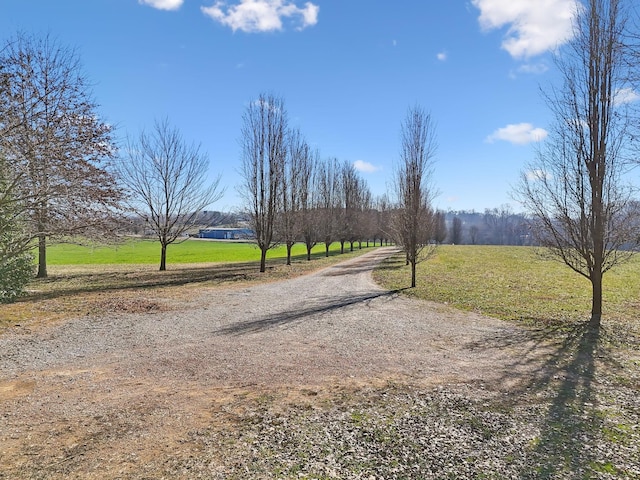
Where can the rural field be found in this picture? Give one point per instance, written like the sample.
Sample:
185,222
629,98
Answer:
323,369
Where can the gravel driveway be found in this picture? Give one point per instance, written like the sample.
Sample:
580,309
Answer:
129,395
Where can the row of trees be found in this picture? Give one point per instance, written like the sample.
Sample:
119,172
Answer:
292,195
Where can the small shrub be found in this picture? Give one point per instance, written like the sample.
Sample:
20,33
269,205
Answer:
15,273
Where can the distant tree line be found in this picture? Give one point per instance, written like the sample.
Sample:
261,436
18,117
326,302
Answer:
496,226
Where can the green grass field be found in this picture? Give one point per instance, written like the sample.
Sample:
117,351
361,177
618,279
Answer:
191,251
514,283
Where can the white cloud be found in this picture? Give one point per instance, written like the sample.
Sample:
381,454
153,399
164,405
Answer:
163,4
366,167
533,68
519,134
442,56
262,15
534,26
624,96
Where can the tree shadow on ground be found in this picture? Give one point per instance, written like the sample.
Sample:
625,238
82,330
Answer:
557,373
318,306
68,284
87,282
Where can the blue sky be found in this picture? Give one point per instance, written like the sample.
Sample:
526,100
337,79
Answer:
348,70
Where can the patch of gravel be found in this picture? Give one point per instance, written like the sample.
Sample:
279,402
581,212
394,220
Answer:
452,431
322,376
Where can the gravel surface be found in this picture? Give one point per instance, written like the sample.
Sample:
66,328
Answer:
323,376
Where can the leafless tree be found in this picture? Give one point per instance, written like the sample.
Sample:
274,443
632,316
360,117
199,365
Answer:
294,184
353,192
440,232
413,221
167,182
264,153
456,231
309,202
473,234
574,189
367,224
383,228
502,225
51,134
328,206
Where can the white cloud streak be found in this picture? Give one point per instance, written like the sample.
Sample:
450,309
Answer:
442,56
533,68
366,167
518,134
254,16
534,26
163,4
625,96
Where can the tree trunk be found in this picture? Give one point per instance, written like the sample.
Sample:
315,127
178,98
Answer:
263,260
309,253
42,256
596,298
341,246
326,248
163,257
289,245
413,274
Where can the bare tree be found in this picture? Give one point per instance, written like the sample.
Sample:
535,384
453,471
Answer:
264,153
383,226
167,182
575,191
309,202
473,234
294,184
328,206
51,133
414,219
439,227
456,231
353,193
366,217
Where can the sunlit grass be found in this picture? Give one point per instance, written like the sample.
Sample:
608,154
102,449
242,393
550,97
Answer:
148,252
514,283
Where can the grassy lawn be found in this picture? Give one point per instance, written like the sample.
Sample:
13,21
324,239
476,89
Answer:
190,251
514,283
